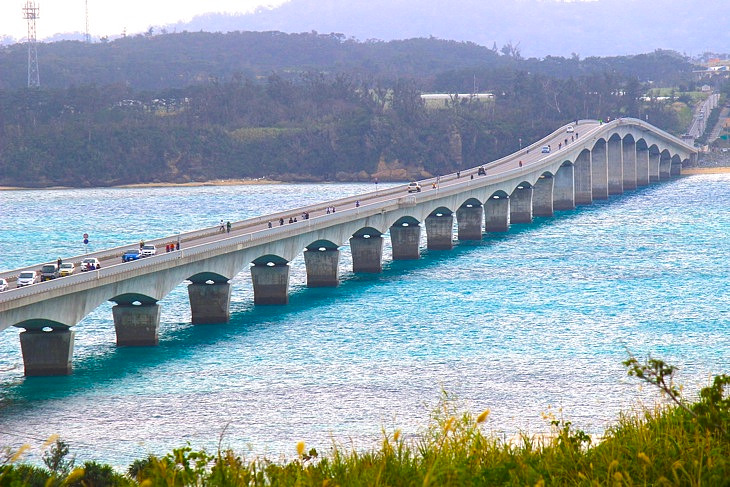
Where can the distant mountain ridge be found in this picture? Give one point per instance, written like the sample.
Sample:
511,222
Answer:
538,27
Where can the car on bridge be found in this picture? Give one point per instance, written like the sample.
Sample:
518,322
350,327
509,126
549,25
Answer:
131,255
3,285
148,250
66,269
90,264
49,272
570,129
545,149
414,187
26,278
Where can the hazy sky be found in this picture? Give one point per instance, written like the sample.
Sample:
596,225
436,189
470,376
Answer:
111,17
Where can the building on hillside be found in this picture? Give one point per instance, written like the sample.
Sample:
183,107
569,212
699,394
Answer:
444,100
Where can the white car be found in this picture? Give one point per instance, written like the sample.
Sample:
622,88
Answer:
90,264
3,285
67,268
414,187
26,278
570,129
148,250
545,149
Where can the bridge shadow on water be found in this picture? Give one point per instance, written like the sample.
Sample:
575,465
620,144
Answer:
114,363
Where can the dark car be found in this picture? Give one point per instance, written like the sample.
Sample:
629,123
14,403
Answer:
133,254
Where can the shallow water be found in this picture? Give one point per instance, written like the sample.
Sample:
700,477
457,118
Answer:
534,321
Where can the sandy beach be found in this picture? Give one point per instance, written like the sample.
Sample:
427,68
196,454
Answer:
705,170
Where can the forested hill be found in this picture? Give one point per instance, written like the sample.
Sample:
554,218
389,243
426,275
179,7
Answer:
158,62
197,106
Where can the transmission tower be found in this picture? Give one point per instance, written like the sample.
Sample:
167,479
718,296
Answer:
88,36
30,13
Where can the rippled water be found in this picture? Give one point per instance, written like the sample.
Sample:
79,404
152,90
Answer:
536,320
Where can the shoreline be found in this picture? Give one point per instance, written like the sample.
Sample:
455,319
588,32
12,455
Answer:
705,170
212,182
241,182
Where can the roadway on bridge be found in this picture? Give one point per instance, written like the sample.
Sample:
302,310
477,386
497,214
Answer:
527,156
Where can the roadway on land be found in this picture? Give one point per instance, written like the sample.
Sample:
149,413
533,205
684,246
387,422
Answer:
527,156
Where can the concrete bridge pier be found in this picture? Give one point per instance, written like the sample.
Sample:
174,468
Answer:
270,283
665,167
564,188
629,157
496,214
615,167
582,176
599,171
47,352
521,204
323,267
654,161
136,325
405,239
542,198
440,231
210,302
642,167
367,253
469,221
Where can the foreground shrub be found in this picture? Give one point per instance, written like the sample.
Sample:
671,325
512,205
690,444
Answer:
681,444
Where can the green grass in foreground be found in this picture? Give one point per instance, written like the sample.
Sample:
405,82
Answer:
682,444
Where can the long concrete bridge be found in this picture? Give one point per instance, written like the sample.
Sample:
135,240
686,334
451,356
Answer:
587,161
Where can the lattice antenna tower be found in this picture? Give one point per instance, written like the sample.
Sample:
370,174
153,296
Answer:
31,14
88,36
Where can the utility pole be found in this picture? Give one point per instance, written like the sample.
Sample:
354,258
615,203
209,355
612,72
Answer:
31,14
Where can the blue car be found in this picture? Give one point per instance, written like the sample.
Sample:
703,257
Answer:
129,255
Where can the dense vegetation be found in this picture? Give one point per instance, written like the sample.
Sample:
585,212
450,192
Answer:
686,444
191,107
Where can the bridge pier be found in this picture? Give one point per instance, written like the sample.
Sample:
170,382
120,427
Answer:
270,283
564,188
406,241
642,167
654,162
367,254
582,175
47,352
210,303
469,222
496,214
323,267
440,231
520,204
665,167
542,199
599,172
615,167
629,157
136,325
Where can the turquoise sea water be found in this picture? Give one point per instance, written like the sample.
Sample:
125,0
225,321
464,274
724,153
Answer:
534,321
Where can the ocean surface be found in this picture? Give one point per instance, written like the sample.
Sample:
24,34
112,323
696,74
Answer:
530,323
